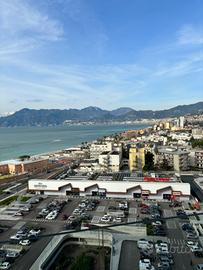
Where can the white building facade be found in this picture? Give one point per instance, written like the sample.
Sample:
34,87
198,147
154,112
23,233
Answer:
112,189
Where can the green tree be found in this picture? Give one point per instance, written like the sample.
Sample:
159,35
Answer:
164,165
149,161
24,157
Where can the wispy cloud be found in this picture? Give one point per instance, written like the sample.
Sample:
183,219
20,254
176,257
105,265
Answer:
23,27
190,35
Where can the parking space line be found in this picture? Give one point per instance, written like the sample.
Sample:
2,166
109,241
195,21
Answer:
100,209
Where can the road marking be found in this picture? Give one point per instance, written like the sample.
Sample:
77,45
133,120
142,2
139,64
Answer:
45,220
170,224
100,209
131,219
132,210
95,219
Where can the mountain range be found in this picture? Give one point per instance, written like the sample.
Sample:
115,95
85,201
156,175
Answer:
45,117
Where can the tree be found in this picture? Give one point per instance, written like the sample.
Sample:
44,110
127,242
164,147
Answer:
24,157
164,165
149,161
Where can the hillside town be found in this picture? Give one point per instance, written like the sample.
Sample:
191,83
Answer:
141,189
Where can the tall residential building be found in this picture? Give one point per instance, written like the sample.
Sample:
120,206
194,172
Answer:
136,158
199,159
181,121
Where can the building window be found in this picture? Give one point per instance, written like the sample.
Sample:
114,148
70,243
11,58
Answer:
167,196
136,195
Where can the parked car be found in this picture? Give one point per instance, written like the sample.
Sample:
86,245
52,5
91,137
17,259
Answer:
19,213
187,226
25,242
35,231
5,265
191,244
191,236
12,254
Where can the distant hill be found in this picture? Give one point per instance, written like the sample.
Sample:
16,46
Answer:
45,117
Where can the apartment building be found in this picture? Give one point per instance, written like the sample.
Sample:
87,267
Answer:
136,158
197,133
97,148
110,161
178,159
199,159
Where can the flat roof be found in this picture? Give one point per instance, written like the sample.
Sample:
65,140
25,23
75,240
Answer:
17,161
116,186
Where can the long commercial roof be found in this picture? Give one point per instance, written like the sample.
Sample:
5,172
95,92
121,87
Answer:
110,186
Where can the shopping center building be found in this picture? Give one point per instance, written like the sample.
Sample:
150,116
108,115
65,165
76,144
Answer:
112,189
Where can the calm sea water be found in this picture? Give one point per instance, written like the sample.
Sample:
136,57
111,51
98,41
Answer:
34,140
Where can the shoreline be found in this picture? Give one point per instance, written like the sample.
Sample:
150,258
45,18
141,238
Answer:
49,152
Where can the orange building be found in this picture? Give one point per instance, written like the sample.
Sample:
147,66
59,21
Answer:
26,166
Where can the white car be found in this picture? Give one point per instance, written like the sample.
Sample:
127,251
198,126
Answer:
25,242
72,218
35,232
162,250
191,244
156,223
12,254
117,220
195,248
18,214
5,265
145,264
45,211
144,244
50,217
16,237
106,219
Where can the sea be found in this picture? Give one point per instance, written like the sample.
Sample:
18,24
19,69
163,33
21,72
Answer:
18,141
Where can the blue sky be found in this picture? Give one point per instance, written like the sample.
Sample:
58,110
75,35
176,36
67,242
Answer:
145,54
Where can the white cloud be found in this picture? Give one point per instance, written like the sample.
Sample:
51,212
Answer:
190,35
23,27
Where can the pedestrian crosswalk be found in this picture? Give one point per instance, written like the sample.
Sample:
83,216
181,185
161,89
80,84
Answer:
176,242
100,209
45,220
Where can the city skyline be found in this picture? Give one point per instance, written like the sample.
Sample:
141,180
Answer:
109,54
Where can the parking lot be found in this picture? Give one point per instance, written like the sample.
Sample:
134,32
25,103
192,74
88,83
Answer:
54,214
51,215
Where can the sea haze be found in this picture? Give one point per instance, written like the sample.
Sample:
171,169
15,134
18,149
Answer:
35,140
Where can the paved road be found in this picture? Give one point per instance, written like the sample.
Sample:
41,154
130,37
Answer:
182,256
129,258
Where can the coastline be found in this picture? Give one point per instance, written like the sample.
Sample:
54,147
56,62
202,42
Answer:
53,139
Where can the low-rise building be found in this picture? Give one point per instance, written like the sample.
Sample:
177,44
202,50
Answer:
197,133
112,189
25,166
177,159
97,148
